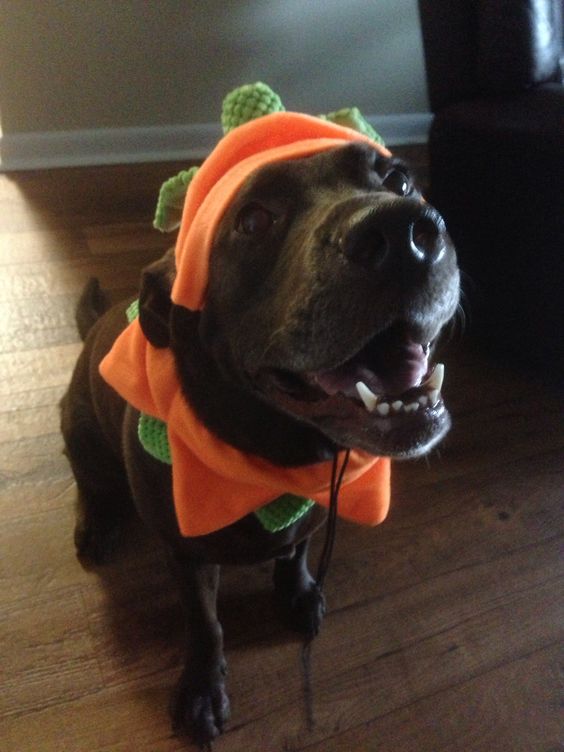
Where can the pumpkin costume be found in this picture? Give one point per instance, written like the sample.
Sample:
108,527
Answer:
215,484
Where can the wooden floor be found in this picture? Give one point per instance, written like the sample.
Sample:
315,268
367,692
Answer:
446,623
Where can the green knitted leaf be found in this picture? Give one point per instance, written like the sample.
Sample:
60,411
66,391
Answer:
132,311
283,512
170,204
247,103
351,117
153,436
152,432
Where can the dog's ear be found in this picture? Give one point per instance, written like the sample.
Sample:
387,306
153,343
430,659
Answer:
154,299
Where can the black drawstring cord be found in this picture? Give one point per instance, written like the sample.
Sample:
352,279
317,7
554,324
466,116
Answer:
337,476
336,482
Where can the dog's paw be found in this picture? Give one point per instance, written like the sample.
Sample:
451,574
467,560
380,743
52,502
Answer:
303,609
200,712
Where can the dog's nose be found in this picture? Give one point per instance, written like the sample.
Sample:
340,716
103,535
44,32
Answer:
406,227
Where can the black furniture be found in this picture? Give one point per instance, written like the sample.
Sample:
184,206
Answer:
497,165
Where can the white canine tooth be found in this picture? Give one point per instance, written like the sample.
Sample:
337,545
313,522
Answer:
436,379
433,397
367,396
423,400
411,408
383,409
397,406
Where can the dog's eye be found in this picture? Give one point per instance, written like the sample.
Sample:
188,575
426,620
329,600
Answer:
254,220
397,182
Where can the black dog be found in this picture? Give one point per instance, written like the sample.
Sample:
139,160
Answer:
359,279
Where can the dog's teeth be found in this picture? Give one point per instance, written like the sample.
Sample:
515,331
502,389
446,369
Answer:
367,396
436,379
433,397
411,408
423,400
383,409
397,406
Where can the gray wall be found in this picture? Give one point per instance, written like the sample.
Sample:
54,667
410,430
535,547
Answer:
84,64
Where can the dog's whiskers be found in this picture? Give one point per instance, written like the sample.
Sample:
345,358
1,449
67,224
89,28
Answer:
460,321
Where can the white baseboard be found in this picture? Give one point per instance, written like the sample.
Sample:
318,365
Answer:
399,130
33,151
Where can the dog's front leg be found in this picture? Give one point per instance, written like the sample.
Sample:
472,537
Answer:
200,705
299,598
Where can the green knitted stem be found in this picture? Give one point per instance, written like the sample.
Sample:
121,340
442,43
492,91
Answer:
247,103
283,512
351,117
168,213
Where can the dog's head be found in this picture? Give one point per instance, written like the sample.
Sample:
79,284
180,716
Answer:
330,280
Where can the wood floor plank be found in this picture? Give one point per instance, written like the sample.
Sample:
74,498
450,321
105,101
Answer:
468,521
46,321
25,424
126,237
40,245
70,197
115,720
390,676
504,430
47,652
37,556
40,486
59,278
29,371
474,715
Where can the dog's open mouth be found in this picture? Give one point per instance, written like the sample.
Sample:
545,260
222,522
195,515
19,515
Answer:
389,387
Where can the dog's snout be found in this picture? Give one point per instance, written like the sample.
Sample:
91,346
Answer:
408,228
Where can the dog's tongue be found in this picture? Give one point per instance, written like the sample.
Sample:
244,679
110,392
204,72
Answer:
390,368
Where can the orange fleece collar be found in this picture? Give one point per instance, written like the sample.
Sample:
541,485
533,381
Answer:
214,484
